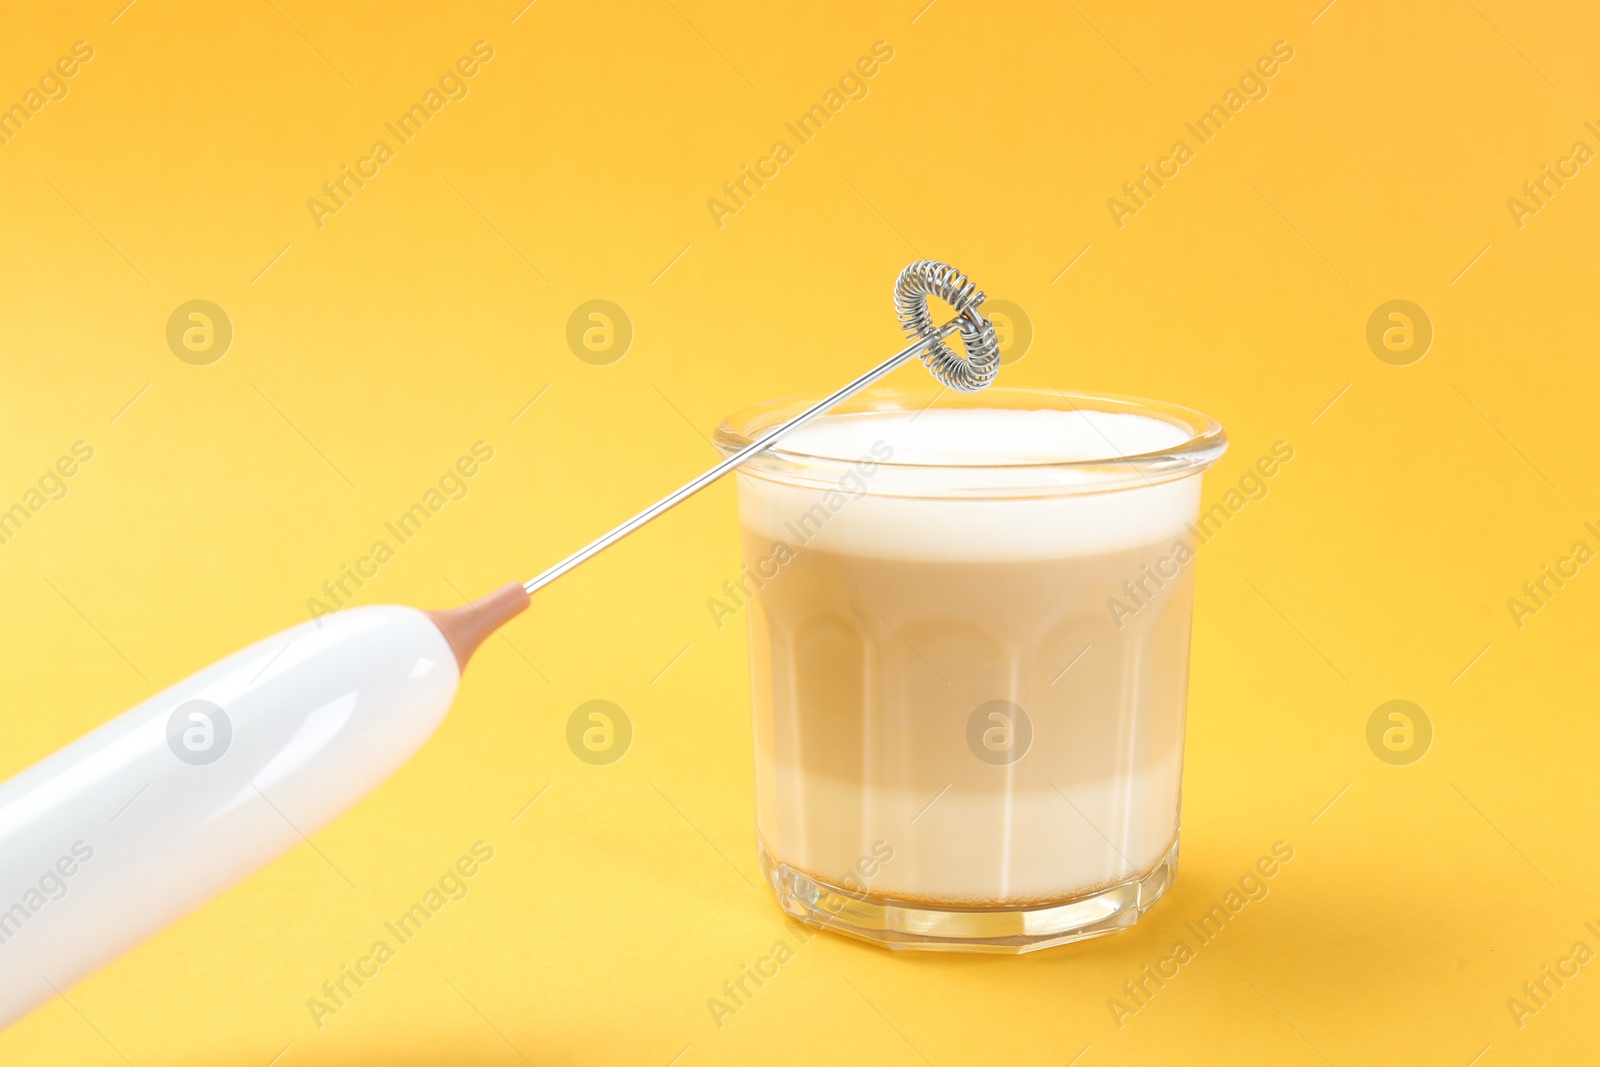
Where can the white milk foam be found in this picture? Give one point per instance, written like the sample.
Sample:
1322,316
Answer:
1004,511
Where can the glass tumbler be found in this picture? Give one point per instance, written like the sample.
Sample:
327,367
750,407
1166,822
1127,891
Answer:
969,641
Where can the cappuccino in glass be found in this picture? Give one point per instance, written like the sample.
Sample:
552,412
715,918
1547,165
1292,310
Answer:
969,651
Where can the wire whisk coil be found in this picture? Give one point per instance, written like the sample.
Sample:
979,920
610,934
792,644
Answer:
929,277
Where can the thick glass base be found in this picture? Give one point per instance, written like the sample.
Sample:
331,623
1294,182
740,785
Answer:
902,924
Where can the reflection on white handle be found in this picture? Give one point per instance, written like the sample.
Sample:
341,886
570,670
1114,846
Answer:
132,826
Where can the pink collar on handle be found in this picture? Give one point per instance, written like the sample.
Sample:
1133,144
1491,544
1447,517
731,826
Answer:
470,625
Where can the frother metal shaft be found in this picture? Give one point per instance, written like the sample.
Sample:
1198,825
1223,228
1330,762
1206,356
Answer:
771,437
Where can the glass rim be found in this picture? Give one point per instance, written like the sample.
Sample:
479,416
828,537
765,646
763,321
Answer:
1204,443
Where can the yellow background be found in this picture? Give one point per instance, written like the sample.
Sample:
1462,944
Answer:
429,311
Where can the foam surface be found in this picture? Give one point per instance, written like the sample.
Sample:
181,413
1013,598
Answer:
961,437
905,513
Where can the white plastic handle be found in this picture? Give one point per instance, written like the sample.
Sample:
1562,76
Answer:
132,826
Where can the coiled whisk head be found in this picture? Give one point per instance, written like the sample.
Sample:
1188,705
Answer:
929,277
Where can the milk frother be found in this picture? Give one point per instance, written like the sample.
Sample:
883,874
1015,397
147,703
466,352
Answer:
145,818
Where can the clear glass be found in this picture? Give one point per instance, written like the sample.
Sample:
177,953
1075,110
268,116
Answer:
969,681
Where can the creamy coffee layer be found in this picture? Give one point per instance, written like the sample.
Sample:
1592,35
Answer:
876,686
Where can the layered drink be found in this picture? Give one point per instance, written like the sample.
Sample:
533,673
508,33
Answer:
969,633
